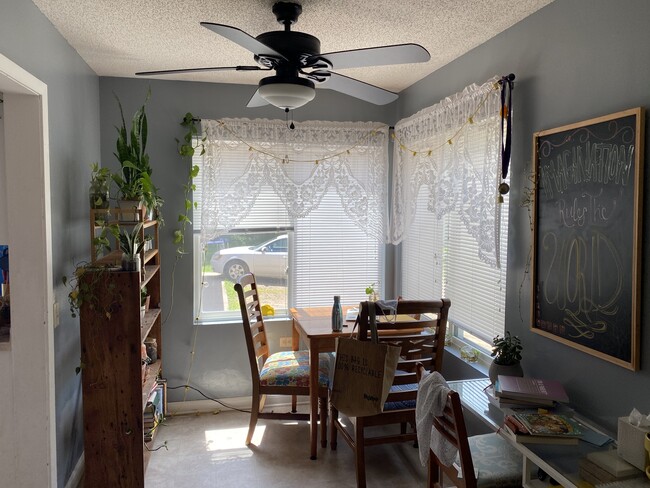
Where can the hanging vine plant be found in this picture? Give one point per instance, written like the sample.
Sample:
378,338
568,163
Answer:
187,149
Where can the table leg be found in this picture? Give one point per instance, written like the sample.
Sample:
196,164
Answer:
313,399
295,346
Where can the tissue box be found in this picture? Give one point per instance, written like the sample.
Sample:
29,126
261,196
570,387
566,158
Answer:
630,442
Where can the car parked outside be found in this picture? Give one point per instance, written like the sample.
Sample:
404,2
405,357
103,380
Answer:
268,259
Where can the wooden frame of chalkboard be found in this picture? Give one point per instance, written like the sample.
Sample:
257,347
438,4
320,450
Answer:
586,259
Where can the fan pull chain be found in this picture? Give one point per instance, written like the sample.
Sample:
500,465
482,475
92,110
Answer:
286,118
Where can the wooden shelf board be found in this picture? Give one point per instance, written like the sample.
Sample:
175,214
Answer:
149,255
149,272
149,320
150,383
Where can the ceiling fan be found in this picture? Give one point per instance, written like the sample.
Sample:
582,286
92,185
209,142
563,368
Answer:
299,64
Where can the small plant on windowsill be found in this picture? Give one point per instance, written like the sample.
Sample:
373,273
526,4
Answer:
506,352
372,292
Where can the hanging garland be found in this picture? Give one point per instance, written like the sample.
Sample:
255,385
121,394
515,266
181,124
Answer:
285,159
506,84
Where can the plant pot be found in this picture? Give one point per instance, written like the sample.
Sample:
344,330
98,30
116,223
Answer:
504,369
131,263
99,199
146,303
130,210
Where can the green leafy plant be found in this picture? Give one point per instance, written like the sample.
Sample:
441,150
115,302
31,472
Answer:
143,295
99,191
372,292
506,350
187,149
81,289
131,243
101,241
134,180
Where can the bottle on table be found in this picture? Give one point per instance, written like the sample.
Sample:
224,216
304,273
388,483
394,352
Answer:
337,315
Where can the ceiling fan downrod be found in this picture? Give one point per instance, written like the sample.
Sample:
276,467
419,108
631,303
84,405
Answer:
287,13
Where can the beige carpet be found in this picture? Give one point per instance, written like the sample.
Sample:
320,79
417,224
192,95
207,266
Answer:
208,451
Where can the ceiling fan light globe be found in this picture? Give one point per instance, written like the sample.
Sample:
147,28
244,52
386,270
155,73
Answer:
287,95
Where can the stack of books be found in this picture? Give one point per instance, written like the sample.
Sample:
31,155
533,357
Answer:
542,428
513,391
153,412
606,467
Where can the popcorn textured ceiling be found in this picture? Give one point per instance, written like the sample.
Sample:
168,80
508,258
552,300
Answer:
120,37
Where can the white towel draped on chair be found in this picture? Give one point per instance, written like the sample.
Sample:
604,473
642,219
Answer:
431,400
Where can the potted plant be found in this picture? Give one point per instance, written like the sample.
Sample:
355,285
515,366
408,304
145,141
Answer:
144,298
134,179
131,244
372,293
99,191
506,352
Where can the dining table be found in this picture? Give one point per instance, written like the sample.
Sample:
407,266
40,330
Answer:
313,326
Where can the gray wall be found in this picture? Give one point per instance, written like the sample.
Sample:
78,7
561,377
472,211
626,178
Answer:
220,367
574,59
30,40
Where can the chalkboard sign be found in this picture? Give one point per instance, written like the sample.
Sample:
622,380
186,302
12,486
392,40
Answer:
587,235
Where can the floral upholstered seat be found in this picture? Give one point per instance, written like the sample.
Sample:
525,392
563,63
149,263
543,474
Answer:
291,368
279,373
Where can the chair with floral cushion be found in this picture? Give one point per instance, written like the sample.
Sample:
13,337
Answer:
280,373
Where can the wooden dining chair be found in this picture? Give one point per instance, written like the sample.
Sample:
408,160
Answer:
494,459
418,328
280,373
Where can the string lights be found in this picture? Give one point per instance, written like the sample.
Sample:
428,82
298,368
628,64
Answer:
450,141
506,85
285,159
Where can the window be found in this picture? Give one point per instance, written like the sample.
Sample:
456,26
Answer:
454,238
440,258
308,226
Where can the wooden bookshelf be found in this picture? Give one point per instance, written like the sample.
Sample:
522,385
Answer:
115,390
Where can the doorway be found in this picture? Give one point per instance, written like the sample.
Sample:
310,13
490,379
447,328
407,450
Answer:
28,450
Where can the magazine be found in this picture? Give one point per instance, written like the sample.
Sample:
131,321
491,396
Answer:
549,424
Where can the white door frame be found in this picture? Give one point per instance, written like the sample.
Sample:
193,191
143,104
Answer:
33,447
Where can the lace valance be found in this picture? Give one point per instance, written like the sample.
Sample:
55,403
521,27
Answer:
300,166
452,151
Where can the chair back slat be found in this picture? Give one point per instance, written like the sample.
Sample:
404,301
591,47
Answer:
417,344
426,322
451,425
254,329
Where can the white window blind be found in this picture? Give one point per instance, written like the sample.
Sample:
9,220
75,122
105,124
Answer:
333,257
454,237
439,258
333,210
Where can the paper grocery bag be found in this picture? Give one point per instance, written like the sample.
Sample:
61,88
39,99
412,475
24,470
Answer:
363,375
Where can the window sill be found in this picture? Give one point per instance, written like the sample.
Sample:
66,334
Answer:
481,366
235,321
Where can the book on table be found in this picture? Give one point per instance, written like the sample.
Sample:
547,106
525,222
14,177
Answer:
537,389
543,428
504,402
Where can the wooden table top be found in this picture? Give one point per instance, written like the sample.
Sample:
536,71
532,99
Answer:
317,322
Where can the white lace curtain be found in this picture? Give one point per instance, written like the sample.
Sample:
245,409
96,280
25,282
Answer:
462,176
300,166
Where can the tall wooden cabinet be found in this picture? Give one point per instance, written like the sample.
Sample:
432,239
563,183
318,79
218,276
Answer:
116,384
